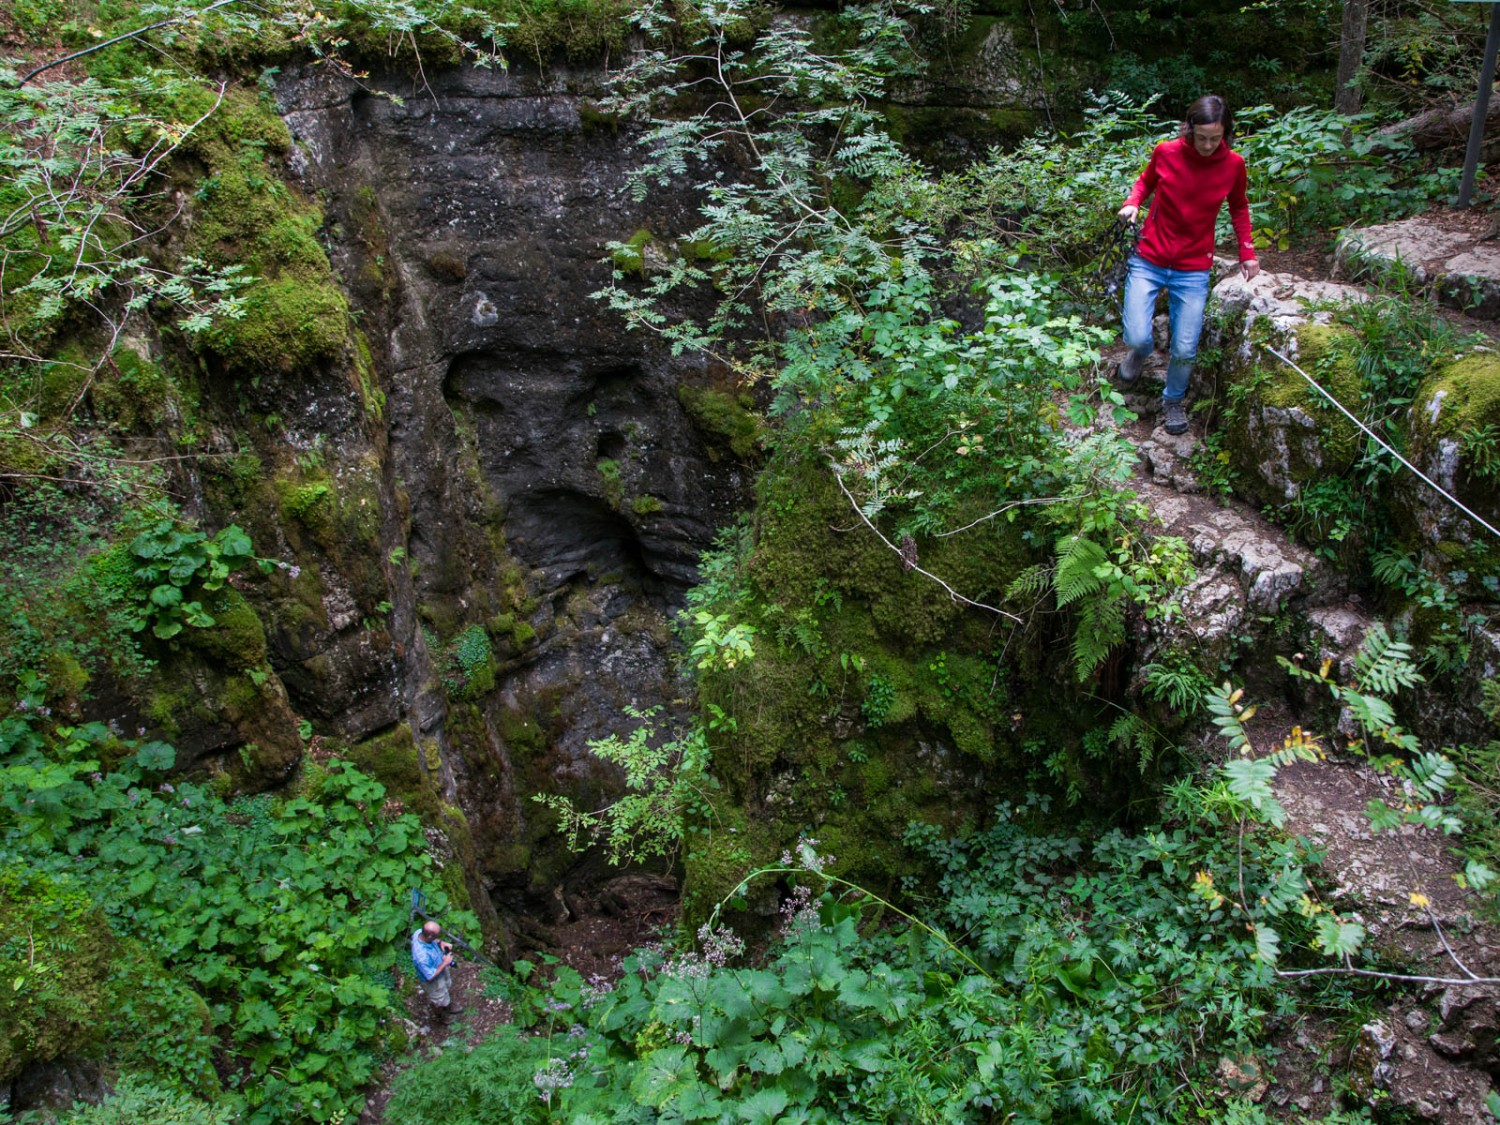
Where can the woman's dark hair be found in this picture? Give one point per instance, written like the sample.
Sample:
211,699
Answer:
1210,110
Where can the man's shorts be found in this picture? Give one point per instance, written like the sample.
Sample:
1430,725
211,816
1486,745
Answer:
436,989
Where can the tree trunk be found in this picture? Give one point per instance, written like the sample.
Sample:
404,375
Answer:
1346,97
1449,128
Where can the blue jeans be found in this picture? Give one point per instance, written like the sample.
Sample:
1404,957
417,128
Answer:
1187,294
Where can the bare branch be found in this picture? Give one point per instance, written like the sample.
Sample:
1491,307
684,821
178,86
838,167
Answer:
952,593
121,38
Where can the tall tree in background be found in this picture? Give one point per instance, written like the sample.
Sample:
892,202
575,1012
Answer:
1347,93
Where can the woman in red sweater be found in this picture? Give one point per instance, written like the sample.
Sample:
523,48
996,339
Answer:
1191,177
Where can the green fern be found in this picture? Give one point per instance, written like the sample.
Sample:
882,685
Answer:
1384,665
1177,683
1074,576
1101,626
1133,732
1030,584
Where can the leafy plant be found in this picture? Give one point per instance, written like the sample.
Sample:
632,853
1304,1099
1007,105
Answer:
666,781
468,657
480,1085
780,233
880,693
175,563
1176,681
283,915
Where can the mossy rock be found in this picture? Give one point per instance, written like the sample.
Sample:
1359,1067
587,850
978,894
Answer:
310,502
246,214
131,391
1458,399
290,326
630,256
394,759
236,637
727,421
58,994
1284,435
1455,434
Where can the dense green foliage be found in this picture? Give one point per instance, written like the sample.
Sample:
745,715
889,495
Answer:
946,553
1091,982
261,928
1032,974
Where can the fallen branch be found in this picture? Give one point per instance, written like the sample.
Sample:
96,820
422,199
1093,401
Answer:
1447,127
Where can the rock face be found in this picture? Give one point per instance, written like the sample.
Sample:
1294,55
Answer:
537,483
1453,252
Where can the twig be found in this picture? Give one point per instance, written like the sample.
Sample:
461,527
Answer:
1001,512
952,593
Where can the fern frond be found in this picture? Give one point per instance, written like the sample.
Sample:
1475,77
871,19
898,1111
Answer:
1031,583
1133,732
1101,626
1384,664
1223,704
1074,576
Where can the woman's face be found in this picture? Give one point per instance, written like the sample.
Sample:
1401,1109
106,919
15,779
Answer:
1208,138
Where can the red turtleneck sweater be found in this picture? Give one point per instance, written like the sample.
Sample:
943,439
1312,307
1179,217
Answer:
1190,189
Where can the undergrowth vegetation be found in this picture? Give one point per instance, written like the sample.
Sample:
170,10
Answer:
937,597
239,950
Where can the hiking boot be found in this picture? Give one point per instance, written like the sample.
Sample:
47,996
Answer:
1129,369
1174,416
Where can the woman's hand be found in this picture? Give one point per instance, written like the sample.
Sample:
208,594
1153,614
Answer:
1250,269
1128,213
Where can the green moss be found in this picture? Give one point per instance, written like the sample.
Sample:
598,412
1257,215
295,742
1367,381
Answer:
67,679
729,421
508,859
630,255
609,476
63,380
523,735
1461,397
131,390
393,759
1334,447
246,214
236,637
310,503
371,395
57,993
645,505
290,325
524,634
